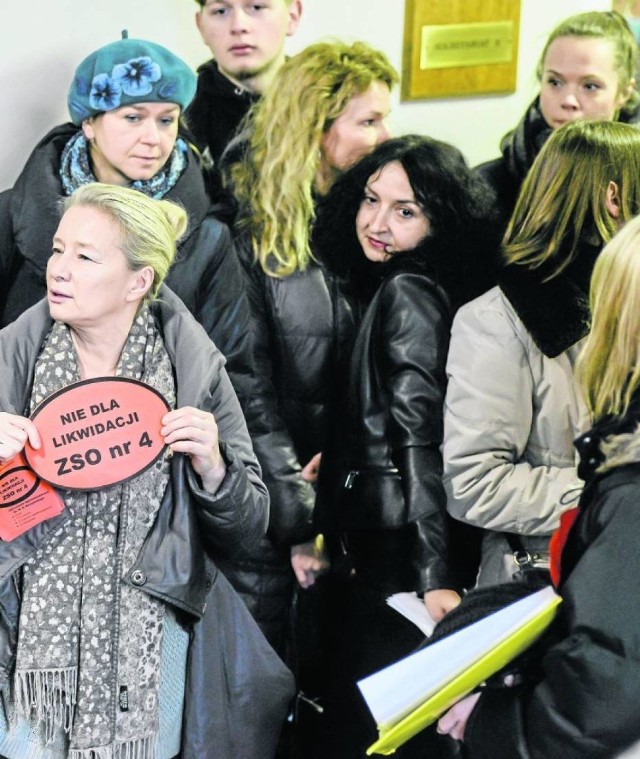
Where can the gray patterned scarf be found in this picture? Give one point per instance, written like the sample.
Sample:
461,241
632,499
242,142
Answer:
88,656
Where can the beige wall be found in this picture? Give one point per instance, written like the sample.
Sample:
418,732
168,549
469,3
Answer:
42,41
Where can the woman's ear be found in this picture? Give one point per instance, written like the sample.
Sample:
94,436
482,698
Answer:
141,283
87,129
625,94
612,200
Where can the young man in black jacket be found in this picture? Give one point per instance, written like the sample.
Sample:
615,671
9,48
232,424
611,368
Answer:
246,40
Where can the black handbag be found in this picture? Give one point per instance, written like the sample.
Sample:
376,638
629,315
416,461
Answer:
248,688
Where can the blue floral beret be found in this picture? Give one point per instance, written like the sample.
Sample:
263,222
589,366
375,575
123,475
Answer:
126,72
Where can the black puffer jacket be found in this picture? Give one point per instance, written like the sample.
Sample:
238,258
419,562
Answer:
206,274
216,110
304,328
586,705
380,482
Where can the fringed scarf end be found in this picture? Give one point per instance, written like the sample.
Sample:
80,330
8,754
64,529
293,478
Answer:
142,748
48,695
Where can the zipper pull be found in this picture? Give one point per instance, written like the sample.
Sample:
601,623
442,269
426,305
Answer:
348,483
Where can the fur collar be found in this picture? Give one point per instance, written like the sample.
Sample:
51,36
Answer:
555,312
611,443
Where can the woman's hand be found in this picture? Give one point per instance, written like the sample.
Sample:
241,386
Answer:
440,602
14,432
310,470
194,432
307,563
453,722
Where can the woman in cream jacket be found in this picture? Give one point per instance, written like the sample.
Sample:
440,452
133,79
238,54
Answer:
513,408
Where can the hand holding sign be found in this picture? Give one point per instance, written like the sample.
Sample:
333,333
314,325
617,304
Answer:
14,432
194,432
97,433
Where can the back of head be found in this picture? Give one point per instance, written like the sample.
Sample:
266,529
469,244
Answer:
275,183
126,72
150,228
610,26
563,200
609,366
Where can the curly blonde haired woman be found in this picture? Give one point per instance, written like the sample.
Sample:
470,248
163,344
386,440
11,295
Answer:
326,107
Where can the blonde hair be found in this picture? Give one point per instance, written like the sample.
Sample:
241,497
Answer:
612,27
609,364
274,183
150,228
563,199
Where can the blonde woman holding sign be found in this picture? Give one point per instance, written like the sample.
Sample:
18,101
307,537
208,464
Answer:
111,618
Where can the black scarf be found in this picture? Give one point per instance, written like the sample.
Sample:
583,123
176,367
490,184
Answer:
521,146
554,311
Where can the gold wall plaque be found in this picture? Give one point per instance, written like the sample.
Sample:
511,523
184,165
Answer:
450,45
459,47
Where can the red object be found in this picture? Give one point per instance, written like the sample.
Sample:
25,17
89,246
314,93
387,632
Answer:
25,500
558,542
97,433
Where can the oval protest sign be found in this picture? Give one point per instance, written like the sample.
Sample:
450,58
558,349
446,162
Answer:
97,433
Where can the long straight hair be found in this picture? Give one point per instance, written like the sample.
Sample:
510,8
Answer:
563,199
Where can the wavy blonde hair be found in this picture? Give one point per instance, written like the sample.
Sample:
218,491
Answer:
563,199
150,228
609,364
274,183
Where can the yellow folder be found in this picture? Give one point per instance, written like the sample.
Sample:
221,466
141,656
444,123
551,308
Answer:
412,693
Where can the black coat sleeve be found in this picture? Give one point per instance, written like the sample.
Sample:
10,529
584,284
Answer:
235,518
221,305
586,705
413,326
7,248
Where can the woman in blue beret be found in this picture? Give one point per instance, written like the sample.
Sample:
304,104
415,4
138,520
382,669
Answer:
125,103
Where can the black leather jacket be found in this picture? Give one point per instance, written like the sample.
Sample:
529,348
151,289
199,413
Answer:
175,563
380,487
